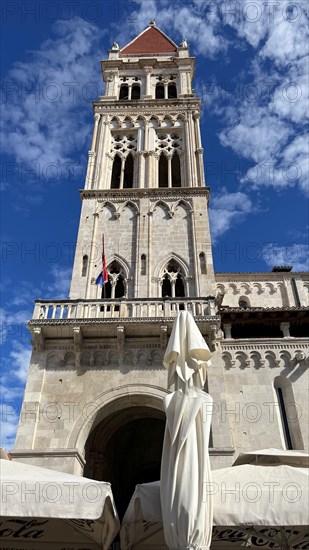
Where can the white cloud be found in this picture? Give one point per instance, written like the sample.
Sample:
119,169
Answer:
59,287
226,210
15,335
198,23
290,99
12,323
284,44
8,425
20,358
294,254
257,135
44,95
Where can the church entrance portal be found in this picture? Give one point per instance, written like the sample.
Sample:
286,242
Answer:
125,449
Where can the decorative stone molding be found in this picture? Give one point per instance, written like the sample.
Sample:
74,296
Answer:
38,339
300,359
121,337
135,194
163,337
213,331
77,338
256,354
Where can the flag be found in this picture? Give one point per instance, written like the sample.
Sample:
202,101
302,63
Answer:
103,277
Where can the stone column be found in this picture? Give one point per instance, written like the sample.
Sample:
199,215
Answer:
149,258
141,169
195,260
92,255
169,168
123,161
227,327
188,156
192,151
285,329
92,153
148,71
199,151
102,172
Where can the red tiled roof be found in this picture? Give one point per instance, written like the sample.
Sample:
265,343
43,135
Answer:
150,41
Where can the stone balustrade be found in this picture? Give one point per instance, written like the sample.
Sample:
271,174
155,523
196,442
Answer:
113,309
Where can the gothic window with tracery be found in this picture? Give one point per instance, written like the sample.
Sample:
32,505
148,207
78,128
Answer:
128,172
176,170
123,147
169,147
116,172
163,171
115,288
173,281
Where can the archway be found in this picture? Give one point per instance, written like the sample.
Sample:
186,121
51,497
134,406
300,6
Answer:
125,449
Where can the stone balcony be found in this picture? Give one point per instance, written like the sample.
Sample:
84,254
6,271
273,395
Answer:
103,318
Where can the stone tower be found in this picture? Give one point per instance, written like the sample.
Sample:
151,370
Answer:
93,400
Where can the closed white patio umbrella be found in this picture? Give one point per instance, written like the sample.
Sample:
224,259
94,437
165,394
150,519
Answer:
42,508
185,467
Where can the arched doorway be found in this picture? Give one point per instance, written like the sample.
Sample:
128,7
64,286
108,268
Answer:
125,449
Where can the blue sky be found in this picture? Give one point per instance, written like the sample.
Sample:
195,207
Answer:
252,73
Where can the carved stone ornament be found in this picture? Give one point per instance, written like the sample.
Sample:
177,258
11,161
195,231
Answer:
77,338
38,339
121,337
163,337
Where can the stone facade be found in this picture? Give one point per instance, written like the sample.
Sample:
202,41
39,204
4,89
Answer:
93,399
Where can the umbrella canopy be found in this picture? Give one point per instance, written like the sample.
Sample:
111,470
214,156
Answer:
185,467
42,507
255,504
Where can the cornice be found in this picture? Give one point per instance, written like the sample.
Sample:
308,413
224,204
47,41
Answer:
153,106
116,321
230,277
136,194
227,309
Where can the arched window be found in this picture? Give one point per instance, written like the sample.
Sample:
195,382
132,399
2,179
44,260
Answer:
163,171
166,287
136,91
116,173
143,264
202,258
159,91
284,418
173,281
172,91
128,172
124,92
85,266
179,287
176,172
243,302
115,287
289,413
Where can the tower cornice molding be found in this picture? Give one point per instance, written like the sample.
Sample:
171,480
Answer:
136,194
152,105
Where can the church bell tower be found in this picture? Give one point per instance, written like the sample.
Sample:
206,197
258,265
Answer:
145,189
93,400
